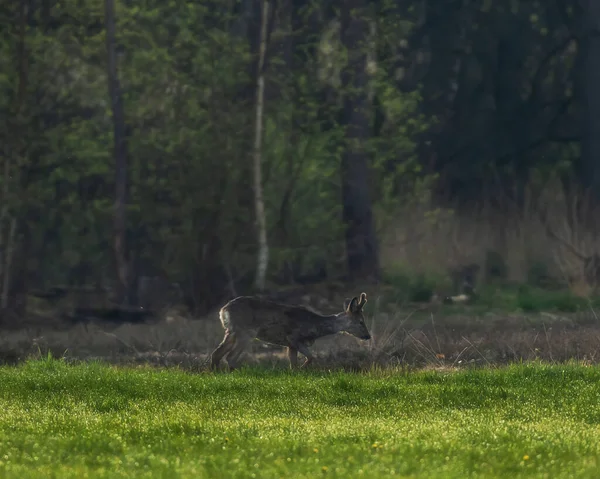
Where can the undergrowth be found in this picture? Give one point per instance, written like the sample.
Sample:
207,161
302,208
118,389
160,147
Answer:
495,296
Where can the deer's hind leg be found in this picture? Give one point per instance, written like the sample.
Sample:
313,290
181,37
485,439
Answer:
224,348
241,343
293,357
306,352
299,347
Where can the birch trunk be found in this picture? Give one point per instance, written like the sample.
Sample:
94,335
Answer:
261,221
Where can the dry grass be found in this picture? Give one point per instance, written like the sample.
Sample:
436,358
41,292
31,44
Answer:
424,239
402,338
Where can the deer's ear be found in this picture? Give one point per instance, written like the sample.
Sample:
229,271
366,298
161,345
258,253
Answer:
347,302
354,307
363,300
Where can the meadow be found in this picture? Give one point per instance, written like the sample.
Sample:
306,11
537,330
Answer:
95,420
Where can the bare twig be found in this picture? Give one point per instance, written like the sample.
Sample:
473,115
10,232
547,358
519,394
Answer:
477,350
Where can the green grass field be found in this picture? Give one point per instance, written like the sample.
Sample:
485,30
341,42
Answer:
92,420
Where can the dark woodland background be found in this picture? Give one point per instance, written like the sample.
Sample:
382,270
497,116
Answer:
400,138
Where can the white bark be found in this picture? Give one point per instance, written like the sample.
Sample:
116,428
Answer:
261,220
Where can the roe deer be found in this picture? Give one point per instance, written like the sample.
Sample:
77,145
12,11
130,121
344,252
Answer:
246,318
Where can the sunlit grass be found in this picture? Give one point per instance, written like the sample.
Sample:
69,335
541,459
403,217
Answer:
61,421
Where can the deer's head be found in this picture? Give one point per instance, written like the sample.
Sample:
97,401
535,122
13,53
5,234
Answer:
353,318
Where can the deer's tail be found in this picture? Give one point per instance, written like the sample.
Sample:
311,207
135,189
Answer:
224,317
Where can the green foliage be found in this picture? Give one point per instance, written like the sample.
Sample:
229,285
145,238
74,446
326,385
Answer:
398,173
538,275
495,266
532,298
188,93
421,289
188,89
407,286
304,204
527,298
99,421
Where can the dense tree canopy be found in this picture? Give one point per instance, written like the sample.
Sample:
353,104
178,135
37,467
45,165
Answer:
366,105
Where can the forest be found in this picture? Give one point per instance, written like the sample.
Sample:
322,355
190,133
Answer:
224,147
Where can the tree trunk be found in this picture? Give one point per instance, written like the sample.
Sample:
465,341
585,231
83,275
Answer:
120,155
590,146
12,176
3,220
8,261
261,221
361,242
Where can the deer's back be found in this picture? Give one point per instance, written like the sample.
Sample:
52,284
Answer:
266,320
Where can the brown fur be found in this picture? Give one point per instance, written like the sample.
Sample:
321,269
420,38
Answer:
295,327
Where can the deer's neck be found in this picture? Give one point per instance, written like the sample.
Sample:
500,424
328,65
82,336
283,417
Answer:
330,325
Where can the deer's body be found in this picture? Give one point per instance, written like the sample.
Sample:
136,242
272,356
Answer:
246,318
